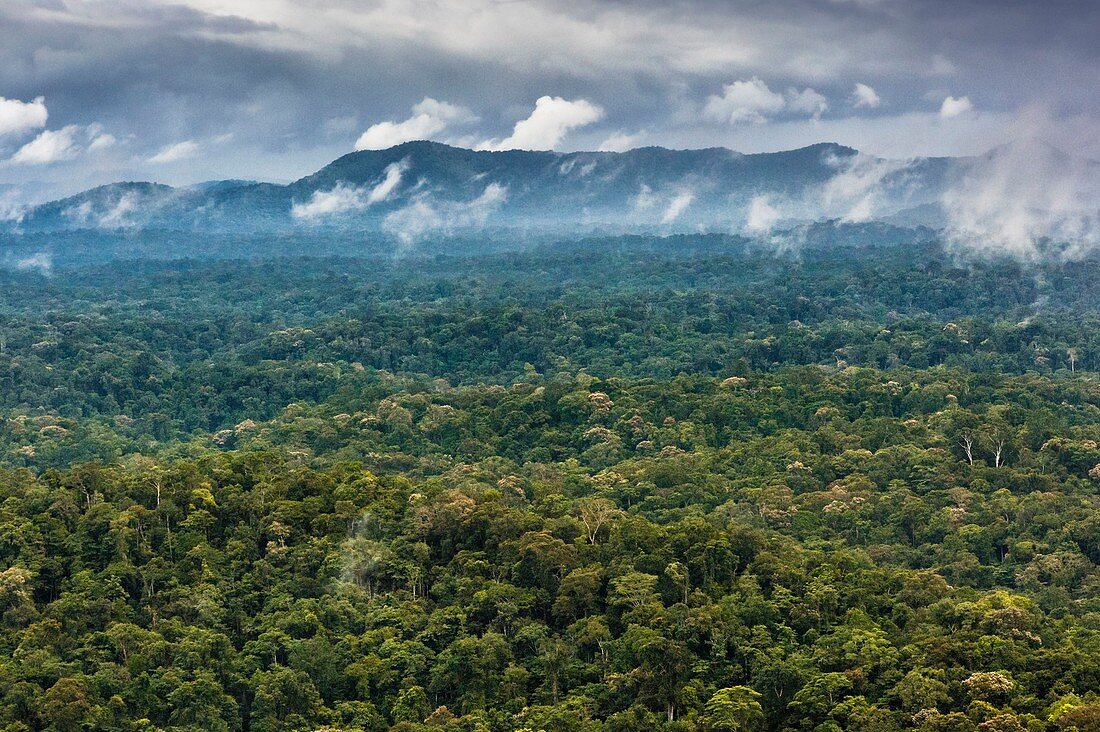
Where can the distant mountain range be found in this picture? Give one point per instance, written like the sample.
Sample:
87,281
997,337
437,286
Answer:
418,189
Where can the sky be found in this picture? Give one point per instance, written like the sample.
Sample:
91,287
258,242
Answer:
181,91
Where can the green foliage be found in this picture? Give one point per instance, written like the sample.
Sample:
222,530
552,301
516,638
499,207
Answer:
736,709
539,491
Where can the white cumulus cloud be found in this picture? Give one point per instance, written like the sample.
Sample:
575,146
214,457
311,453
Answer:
429,118
18,117
620,141
176,151
752,101
50,146
551,120
806,101
102,141
744,101
864,96
98,138
953,107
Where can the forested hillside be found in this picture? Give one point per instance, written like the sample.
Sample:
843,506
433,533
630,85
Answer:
420,190
621,484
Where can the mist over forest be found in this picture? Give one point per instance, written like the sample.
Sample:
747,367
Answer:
689,481
549,366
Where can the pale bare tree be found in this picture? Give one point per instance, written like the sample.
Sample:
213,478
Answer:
998,433
595,513
967,442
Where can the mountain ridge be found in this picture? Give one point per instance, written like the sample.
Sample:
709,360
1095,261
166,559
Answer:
422,187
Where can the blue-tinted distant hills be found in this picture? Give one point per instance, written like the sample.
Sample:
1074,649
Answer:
419,188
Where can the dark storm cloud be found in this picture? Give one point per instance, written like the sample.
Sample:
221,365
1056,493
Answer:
276,87
159,70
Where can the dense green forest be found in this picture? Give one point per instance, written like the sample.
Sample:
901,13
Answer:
610,485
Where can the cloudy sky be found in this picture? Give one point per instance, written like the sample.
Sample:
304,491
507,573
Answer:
186,90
